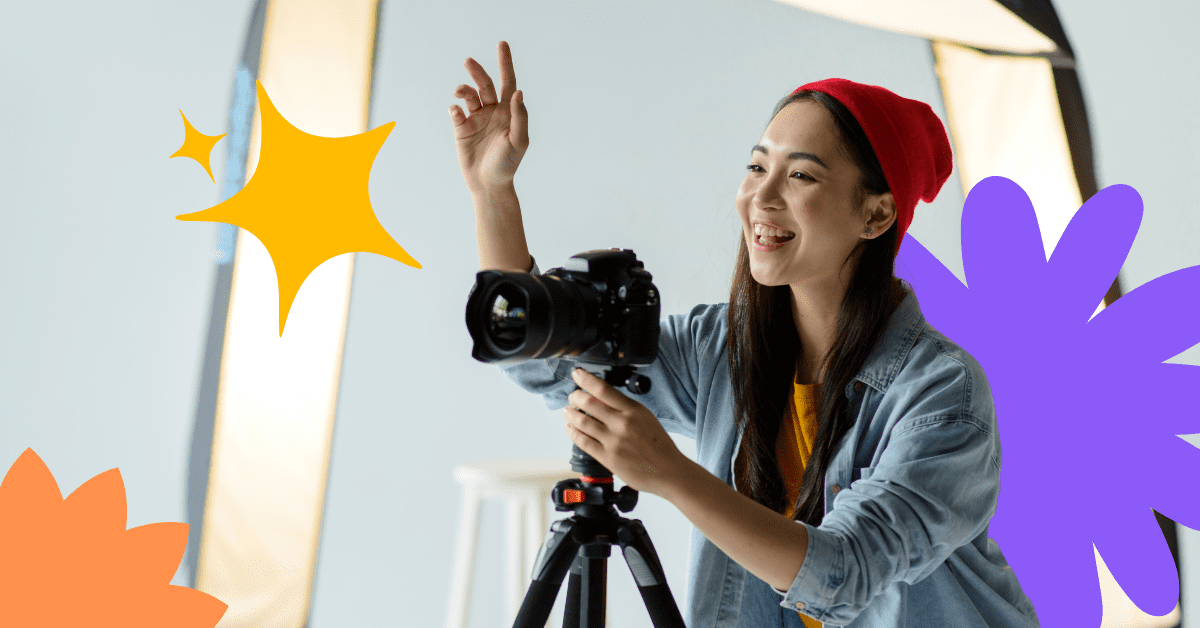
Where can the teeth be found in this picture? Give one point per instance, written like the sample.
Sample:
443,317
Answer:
761,230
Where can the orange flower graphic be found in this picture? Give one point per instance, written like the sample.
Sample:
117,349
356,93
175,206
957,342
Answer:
71,562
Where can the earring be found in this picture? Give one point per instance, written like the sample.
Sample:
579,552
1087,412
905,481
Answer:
868,231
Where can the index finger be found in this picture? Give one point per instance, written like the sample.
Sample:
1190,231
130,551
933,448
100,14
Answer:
508,77
600,389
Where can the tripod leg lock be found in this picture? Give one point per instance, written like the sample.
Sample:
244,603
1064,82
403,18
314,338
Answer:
557,553
640,555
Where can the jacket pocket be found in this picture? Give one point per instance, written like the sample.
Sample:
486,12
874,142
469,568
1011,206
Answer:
861,473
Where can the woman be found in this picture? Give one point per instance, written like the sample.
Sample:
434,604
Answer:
848,454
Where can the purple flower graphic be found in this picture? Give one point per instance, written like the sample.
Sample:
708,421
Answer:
1088,412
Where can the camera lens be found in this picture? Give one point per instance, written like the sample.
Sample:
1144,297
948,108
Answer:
515,316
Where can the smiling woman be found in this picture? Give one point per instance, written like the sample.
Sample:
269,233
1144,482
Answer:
848,461
822,302
830,204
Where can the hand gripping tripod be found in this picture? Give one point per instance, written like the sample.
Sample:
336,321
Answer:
580,544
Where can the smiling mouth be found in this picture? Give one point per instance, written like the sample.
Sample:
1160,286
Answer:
772,240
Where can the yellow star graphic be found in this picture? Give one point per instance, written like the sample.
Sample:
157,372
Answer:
197,145
307,201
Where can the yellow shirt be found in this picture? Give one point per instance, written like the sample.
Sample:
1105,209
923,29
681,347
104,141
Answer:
793,447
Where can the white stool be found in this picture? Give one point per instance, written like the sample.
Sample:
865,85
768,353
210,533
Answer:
524,484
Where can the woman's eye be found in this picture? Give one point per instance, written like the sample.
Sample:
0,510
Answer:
752,167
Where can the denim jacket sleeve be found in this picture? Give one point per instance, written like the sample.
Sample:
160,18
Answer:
674,374
933,489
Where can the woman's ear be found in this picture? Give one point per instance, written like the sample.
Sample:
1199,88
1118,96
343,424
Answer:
881,209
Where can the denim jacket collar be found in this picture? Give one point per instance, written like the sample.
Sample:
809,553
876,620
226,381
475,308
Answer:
887,357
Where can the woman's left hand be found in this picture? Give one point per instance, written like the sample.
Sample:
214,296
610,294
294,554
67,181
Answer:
620,433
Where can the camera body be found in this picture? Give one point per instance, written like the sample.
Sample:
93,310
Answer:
600,308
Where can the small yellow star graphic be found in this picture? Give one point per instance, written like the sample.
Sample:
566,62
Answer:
197,145
307,201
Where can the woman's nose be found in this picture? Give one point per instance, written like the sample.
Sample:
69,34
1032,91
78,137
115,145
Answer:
768,193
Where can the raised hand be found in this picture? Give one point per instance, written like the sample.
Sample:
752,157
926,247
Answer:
492,136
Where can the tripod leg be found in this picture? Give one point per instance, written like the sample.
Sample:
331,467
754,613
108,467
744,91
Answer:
571,607
593,583
553,561
648,574
536,524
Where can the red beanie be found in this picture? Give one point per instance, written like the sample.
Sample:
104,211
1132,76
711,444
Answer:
908,139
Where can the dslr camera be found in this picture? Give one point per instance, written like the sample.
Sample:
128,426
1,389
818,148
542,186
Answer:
599,309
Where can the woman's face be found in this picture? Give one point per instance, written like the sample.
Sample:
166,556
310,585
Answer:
801,179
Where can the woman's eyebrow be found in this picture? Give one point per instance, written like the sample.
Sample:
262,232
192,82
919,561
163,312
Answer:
796,155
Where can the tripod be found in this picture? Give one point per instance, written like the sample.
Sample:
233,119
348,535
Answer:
581,545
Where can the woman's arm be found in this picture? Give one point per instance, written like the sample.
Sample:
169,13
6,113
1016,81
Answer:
499,230
934,490
766,543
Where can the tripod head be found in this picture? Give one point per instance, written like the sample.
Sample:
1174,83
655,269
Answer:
593,495
621,375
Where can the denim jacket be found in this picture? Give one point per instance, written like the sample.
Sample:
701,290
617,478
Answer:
909,492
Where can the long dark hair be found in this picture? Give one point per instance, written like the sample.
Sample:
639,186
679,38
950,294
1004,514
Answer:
764,347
